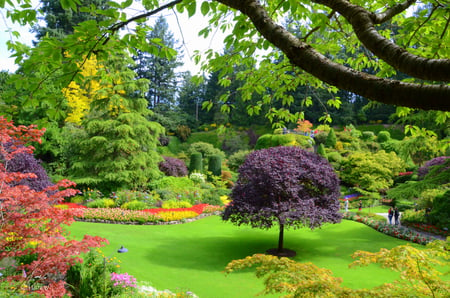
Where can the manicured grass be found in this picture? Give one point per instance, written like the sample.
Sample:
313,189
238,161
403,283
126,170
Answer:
376,209
192,256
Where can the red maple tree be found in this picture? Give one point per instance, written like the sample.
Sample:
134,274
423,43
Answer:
31,228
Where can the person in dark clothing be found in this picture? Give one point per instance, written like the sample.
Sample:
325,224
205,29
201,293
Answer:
396,215
360,205
390,215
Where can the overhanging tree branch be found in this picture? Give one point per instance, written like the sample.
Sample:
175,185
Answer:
363,23
387,91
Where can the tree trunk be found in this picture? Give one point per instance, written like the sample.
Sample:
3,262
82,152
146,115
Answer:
280,238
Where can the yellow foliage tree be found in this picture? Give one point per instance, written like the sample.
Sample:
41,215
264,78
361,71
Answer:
80,97
419,274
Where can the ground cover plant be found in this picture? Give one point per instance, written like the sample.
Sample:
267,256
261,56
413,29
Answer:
192,256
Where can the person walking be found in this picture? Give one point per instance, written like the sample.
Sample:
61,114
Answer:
346,205
390,215
396,215
360,205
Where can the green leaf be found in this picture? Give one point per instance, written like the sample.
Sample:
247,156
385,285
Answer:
127,3
204,8
334,103
191,7
65,4
207,105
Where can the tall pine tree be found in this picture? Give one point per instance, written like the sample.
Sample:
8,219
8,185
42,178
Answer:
159,67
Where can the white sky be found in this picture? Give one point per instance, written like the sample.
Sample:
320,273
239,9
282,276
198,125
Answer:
187,32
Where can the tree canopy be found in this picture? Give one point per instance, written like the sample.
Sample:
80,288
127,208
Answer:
390,52
287,186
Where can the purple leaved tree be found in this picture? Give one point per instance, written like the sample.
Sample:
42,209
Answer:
287,186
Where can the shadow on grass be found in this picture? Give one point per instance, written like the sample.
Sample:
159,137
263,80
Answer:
213,252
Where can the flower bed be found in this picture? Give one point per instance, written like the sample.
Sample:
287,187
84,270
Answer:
147,216
427,228
391,230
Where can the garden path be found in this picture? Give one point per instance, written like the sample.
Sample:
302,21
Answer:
440,237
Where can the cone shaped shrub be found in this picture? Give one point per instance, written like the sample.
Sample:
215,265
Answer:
196,164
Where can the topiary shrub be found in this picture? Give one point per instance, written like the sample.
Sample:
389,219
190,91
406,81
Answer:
196,164
331,140
215,165
173,167
321,150
285,186
383,136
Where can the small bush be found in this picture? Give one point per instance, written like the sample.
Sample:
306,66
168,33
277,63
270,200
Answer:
77,199
211,197
183,132
123,196
197,178
236,159
321,137
433,162
334,157
102,203
164,140
27,163
171,204
368,136
176,184
173,167
134,205
166,194
383,136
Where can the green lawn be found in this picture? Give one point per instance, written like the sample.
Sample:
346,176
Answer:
192,256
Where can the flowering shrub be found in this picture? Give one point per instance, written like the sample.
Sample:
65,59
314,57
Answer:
28,218
391,230
176,204
213,209
428,228
119,215
197,177
123,280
